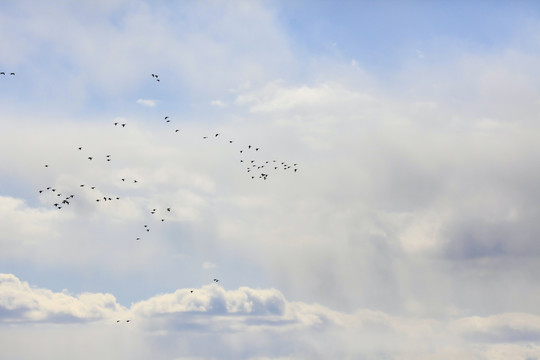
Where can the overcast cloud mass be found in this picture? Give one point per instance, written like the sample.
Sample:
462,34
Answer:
408,228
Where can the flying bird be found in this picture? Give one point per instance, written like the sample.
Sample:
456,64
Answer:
12,74
2,73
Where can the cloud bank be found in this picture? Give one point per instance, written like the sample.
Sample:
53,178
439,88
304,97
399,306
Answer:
247,324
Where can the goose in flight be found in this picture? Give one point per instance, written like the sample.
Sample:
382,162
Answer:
12,74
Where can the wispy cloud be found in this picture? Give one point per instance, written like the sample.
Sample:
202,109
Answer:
147,102
218,103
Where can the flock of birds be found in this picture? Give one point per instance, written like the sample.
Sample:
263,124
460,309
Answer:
61,199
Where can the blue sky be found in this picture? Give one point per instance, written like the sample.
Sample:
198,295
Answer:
406,232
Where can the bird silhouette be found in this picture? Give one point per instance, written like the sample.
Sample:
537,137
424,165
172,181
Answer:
2,73
12,74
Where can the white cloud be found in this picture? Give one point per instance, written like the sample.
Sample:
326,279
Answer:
208,265
218,103
244,324
20,302
147,102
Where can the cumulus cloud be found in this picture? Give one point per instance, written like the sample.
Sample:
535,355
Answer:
250,324
21,302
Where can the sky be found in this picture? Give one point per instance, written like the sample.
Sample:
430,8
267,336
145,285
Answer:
390,210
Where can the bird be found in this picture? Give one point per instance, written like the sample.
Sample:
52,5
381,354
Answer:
82,185
205,137
115,123
89,158
40,191
176,130
46,165
169,209
216,280
128,320
2,73
80,147
216,135
138,238
191,291
123,125
12,73
166,117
